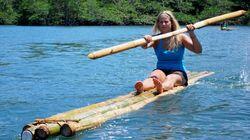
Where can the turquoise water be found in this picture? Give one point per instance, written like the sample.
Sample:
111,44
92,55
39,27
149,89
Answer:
45,71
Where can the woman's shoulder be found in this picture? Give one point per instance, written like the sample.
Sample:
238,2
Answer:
183,36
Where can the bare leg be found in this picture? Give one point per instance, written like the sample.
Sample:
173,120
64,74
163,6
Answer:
171,81
158,85
148,83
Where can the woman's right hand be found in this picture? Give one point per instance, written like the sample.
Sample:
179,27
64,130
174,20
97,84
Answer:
149,41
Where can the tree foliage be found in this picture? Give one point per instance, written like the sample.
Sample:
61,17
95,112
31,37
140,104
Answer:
113,12
34,12
7,14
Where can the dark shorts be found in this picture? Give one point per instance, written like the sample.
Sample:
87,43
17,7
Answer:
183,74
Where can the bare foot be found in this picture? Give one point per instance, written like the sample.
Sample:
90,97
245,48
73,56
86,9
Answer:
139,87
158,85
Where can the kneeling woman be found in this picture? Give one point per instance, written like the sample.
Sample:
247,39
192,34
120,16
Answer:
170,71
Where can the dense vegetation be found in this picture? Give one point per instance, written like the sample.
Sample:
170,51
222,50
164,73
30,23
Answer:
113,12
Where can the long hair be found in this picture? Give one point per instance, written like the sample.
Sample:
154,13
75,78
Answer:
174,40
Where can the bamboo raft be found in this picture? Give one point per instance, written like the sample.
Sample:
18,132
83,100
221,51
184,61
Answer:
68,123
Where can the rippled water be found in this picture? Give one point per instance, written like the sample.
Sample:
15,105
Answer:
45,71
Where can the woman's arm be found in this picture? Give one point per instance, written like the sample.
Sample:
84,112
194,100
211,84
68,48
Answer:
192,43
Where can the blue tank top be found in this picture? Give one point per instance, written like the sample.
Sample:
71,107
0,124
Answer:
169,59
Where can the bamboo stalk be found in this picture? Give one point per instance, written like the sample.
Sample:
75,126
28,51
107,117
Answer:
46,130
69,114
140,42
94,115
51,126
28,132
69,129
42,131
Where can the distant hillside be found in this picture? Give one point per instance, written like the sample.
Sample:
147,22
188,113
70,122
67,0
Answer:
114,12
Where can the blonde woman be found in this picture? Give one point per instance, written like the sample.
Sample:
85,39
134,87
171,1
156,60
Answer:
170,71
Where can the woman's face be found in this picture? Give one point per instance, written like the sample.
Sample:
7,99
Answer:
164,23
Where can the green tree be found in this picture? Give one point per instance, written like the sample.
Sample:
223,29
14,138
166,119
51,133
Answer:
56,12
245,5
111,15
7,14
72,10
34,12
214,8
113,12
90,12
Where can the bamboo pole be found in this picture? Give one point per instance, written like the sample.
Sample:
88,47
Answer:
28,132
48,129
140,42
93,115
43,131
51,126
69,129
69,114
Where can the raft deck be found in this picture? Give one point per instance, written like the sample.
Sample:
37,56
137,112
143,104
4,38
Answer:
70,122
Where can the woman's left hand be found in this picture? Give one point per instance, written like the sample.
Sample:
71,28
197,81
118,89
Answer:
190,27
193,44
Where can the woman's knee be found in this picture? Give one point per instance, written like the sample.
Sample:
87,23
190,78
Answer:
174,79
168,85
158,74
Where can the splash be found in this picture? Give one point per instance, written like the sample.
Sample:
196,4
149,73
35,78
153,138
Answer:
245,72
244,76
244,80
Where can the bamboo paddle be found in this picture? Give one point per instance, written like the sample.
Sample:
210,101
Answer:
142,41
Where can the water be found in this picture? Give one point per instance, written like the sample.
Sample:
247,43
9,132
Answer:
45,71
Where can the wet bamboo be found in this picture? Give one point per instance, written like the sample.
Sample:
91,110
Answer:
69,129
69,114
52,126
140,42
46,130
88,111
52,129
28,132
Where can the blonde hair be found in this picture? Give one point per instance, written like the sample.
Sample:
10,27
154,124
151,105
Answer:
174,40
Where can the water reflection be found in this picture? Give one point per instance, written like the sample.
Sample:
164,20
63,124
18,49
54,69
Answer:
4,64
45,50
168,105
